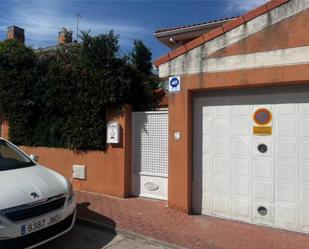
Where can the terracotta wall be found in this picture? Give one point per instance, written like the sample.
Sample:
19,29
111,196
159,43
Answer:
108,172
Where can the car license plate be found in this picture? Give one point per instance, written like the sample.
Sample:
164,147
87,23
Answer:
40,224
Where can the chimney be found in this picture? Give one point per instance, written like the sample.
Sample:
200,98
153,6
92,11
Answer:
65,36
16,33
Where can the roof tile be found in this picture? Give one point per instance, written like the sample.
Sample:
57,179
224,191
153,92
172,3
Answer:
275,3
163,59
255,13
195,43
178,51
233,24
213,34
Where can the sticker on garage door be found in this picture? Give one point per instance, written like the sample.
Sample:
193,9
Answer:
262,116
262,130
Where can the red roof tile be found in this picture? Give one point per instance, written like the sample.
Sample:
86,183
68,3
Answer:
218,31
233,24
195,43
213,34
255,13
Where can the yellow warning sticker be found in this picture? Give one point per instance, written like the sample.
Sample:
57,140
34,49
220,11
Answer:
262,130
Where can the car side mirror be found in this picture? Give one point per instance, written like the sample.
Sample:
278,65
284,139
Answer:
34,157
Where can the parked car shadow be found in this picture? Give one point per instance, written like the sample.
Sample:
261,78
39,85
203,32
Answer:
84,235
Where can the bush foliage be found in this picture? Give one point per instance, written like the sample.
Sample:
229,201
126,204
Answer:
59,99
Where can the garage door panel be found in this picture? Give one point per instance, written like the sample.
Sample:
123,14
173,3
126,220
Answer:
286,149
207,111
304,150
241,110
241,127
263,169
207,182
286,217
240,146
222,205
207,163
304,109
304,131
286,193
207,204
221,110
263,191
285,170
304,218
221,184
304,172
286,128
240,167
304,195
241,187
207,145
222,147
207,127
244,183
285,109
221,127
222,165
241,209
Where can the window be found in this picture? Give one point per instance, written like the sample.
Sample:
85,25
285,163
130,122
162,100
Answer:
11,158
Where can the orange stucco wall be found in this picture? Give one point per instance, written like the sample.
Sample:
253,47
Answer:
108,172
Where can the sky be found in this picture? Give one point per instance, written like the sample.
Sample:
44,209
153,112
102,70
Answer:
131,19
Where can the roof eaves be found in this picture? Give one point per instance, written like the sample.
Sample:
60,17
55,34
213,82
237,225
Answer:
168,31
220,30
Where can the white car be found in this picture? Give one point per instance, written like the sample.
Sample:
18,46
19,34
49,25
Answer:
36,203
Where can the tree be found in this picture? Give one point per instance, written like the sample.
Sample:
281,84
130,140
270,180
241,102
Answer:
145,80
141,58
18,72
59,99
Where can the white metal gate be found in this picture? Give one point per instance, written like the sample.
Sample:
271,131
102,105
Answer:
150,154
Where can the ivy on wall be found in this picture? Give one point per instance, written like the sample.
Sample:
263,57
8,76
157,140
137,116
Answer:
59,98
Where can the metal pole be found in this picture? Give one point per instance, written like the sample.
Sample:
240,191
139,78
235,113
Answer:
77,25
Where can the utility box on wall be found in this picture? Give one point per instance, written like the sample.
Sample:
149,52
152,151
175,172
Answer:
113,133
79,172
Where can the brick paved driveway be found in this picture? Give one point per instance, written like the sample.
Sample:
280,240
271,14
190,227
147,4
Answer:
153,219
88,237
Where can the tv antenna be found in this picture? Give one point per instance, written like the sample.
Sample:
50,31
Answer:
78,17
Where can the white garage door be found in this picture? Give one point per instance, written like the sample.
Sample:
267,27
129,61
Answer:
257,179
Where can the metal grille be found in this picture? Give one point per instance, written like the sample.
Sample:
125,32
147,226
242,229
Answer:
27,212
150,143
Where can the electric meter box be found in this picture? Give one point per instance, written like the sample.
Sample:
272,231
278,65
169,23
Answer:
79,172
113,133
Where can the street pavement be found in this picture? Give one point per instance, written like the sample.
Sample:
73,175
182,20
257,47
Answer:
88,237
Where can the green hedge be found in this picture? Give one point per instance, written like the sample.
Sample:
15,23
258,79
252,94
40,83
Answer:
59,99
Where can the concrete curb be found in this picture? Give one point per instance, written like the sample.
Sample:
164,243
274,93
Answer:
125,232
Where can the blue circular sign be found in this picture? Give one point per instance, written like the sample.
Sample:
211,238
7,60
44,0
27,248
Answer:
174,82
